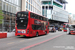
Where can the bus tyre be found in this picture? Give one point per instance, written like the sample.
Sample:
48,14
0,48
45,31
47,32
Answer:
55,31
45,33
37,34
69,33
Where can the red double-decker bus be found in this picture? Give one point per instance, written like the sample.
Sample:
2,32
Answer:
30,24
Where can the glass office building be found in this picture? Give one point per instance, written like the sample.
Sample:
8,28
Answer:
9,8
54,10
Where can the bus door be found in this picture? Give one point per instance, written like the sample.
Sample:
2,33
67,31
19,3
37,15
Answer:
39,29
42,28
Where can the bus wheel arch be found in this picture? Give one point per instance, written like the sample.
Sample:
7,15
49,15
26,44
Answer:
45,32
37,34
69,33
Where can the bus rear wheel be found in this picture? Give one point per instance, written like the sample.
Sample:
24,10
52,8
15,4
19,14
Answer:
45,33
37,34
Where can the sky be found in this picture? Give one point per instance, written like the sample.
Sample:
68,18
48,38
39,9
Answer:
70,6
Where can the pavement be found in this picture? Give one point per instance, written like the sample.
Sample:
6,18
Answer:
53,41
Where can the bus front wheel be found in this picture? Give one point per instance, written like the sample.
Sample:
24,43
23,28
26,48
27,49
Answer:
37,34
45,33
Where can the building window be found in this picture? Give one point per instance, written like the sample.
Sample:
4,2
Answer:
43,12
46,7
6,7
26,5
9,0
45,2
49,2
12,9
50,7
42,7
31,1
3,6
54,3
29,7
9,8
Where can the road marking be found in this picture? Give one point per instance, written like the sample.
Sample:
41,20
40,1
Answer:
64,47
11,43
40,42
22,40
70,47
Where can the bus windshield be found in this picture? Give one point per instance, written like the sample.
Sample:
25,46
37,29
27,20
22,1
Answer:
22,20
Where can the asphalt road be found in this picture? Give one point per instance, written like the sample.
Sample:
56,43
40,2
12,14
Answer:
52,41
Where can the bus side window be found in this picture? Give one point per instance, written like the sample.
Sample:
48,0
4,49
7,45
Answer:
39,17
36,16
43,18
36,27
32,15
42,26
48,27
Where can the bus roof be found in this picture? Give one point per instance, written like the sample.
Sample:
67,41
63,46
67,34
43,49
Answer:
32,12
38,14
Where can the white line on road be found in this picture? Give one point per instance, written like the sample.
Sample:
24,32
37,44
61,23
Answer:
11,43
22,40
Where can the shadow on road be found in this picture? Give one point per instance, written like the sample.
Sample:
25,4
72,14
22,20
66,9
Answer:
31,37
51,32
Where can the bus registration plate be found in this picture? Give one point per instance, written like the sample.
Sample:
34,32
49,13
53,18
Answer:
21,35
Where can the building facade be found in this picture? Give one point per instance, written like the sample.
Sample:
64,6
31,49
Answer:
10,8
72,18
55,11
32,5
